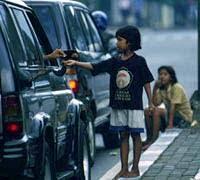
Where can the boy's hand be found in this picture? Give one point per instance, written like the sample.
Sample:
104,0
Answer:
69,63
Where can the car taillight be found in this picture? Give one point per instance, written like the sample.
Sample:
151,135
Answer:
12,115
72,79
13,128
73,84
11,106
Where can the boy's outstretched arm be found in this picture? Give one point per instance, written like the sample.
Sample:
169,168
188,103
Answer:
85,65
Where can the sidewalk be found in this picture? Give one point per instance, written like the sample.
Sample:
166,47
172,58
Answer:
180,161
174,156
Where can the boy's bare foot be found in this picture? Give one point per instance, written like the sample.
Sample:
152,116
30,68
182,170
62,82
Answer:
122,173
134,173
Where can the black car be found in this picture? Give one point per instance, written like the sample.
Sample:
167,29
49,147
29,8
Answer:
69,26
43,128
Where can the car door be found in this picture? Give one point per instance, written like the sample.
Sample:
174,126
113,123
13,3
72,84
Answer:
38,96
6,75
62,96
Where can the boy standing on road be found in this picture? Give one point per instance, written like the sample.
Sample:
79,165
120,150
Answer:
129,73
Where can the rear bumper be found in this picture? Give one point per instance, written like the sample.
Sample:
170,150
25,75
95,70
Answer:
13,158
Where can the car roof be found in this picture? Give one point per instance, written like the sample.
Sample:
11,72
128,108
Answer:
69,2
16,2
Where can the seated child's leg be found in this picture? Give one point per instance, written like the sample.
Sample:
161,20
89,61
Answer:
163,124
157,114
149,124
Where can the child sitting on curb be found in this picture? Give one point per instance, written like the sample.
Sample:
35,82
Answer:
167,90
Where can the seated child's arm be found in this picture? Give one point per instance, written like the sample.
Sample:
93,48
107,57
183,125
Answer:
156,99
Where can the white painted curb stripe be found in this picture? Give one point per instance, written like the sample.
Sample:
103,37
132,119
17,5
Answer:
197,177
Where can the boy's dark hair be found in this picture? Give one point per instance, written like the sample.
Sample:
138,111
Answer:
132,35
171,71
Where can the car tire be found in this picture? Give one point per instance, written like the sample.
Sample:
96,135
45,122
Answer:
84,167
91,140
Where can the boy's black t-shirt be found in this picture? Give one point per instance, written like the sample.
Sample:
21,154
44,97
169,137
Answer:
127,79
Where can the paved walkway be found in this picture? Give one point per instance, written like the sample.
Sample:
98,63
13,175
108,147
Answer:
180,161
174,156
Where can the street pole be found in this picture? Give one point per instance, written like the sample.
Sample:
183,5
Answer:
198,22
195,99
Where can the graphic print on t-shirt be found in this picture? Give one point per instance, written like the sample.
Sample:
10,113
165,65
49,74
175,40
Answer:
123,80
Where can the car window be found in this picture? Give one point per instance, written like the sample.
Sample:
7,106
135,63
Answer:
86,30
43,40
95,34
16,50
6,74
46,19
75,29
27,37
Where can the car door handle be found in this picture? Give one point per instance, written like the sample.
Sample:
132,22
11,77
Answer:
46,97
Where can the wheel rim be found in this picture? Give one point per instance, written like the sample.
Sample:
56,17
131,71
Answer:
86,165
47,170
91,139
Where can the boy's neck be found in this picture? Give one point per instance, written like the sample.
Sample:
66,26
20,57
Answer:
127,54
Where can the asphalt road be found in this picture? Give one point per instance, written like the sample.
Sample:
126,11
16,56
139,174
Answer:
176,48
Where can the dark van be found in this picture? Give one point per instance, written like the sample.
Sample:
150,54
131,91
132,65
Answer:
69,26
42,126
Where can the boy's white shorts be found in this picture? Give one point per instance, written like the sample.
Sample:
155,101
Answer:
131,120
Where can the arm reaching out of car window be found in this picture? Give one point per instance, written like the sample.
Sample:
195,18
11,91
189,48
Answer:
55,54
85,65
